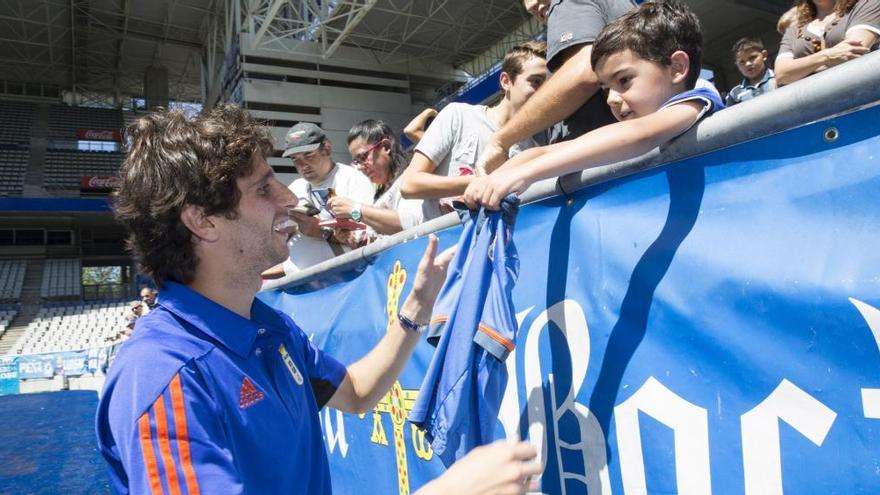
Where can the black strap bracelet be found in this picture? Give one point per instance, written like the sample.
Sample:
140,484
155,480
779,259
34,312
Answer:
410,325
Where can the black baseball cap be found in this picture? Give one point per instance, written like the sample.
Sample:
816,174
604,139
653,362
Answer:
302,138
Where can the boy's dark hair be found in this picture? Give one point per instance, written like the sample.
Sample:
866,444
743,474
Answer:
654,31
747,43
173,161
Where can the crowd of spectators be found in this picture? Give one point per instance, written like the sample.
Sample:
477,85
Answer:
387,189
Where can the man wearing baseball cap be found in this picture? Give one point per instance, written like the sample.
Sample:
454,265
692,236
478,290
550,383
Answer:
308,147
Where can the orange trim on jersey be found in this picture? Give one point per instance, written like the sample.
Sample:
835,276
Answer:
146,439
192,484
165,446
497,337
438,319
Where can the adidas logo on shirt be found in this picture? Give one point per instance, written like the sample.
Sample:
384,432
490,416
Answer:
248,395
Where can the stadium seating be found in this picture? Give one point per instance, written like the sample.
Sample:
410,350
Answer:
72,327
62,278
65,122
64,168
7,314
11,279
16,119
13,166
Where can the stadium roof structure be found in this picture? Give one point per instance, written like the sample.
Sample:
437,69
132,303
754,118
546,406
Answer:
106,46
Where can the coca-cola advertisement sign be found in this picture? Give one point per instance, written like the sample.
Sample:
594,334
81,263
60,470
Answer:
98,135
98,183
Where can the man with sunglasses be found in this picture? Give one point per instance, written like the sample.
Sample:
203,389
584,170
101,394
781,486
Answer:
307,146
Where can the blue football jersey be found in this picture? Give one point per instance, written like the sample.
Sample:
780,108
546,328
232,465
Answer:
474,328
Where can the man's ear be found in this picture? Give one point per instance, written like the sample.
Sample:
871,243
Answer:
505,81
679,67
201,225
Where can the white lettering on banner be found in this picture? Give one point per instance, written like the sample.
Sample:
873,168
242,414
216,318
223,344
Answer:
762,447
762,458
337,436
870,396
568,316
36,367
690,425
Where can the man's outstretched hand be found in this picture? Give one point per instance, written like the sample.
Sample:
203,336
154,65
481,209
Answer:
504,467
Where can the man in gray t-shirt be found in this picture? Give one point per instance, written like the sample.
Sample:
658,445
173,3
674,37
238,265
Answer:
443,162
570,97
454,141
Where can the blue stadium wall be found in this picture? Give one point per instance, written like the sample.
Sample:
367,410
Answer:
709,326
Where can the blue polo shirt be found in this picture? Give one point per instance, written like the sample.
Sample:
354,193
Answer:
201,400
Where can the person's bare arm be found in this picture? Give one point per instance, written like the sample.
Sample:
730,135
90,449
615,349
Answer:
856,44
566,91
420,182
382,220
415,130
608,144
368,379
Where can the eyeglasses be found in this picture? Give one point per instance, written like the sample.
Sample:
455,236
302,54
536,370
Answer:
304,157
361,157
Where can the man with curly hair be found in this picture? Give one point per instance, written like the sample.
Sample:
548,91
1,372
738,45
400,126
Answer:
217,392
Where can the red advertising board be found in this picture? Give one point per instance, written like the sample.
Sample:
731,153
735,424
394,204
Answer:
98,135
98,183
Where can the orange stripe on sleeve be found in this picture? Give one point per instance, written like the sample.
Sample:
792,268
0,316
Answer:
165,446
438,319
177,405
497,337
146,439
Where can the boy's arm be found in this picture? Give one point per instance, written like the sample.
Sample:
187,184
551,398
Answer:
419,181
608,144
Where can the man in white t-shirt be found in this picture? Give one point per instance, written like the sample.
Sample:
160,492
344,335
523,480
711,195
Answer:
321,178
443,162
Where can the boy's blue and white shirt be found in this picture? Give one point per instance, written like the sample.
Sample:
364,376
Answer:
746,91
710,100
474,328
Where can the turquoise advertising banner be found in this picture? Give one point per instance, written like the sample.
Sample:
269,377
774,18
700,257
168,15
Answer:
8,376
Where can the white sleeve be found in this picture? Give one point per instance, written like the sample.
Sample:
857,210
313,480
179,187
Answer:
410,212
358,186
440,137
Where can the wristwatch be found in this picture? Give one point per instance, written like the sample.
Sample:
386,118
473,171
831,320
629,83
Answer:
356,213
410,325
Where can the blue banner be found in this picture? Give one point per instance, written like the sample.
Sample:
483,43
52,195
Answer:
711,326
75,363
8,375
38,366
